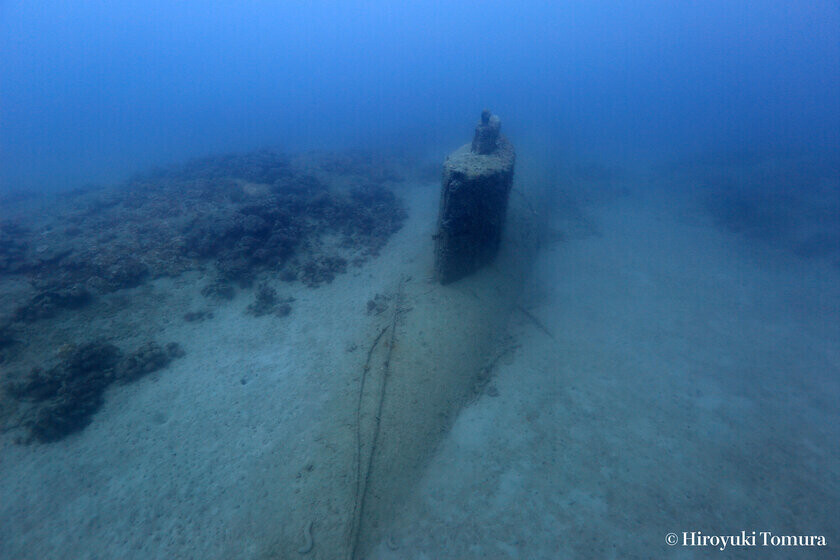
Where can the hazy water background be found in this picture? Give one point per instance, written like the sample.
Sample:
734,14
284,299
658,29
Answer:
689,369
92,91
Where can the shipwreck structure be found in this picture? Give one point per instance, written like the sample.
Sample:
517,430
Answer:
477,179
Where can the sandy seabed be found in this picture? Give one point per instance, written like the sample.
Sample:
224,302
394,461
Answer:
687,382
662,377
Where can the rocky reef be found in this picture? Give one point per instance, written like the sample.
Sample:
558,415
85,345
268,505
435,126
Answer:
76,259
302,219
266,302
62,399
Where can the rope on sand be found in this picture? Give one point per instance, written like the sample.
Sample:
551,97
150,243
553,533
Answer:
355,518
308,543
362,481
536,322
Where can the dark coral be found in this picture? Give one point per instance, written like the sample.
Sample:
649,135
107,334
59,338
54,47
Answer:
262,166
285,220
147,359
198,316
268,233
322,270
243,242
377,214
8,343
246,214
218,290
175,351
48,303
377,305
13,247
240,217
266,302
7,336
126,272
67,395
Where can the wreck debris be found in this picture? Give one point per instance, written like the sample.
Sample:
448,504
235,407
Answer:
477,179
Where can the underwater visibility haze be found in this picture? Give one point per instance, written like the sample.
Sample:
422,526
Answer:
374,279
94,90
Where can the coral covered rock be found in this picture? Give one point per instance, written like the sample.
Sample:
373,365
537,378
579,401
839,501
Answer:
48,303
149,358
66,396
266,302
62,399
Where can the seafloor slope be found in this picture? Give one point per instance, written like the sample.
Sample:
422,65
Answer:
668,369
682,377
298,407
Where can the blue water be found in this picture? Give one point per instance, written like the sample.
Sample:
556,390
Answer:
93,91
